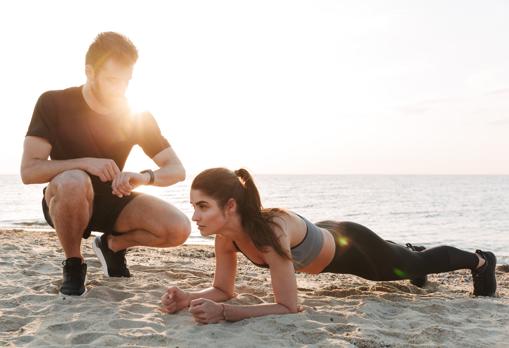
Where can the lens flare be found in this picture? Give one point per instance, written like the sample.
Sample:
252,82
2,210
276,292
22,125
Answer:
399,273
343,241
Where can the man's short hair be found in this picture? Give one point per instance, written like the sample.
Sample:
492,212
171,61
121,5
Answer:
111,45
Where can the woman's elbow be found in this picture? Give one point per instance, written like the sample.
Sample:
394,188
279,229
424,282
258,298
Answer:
228,293
291,309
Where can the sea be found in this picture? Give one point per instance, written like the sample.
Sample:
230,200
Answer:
468,212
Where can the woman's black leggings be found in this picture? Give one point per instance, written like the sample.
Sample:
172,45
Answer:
362,252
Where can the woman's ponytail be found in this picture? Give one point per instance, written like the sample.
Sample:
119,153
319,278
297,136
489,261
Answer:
223,184
250,203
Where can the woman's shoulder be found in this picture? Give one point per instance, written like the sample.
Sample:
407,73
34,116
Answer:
286,219
224,244
278,215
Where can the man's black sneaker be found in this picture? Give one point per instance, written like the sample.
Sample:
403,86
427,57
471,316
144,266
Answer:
485,282
419,281
113,263
75,274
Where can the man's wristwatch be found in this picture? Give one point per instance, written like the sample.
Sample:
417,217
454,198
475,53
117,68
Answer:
152,176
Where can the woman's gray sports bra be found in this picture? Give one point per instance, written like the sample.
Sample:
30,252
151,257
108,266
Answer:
304,252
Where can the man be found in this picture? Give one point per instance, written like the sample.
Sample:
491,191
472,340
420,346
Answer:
88,132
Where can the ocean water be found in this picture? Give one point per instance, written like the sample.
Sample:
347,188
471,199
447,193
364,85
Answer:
468,212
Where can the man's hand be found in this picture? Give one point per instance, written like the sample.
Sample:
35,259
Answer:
173,300
105,169
125,182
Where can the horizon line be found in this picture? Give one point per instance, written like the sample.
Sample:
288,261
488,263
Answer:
348,174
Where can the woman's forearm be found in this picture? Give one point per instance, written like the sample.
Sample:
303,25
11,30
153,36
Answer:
239,312
212,293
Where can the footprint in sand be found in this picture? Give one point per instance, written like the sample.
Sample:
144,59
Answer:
341,329
86,338
109,294
138,309
333,318
73,326
134,324
306,337
9,247
36,299
44,268
24,340
177,275
338,292
12,323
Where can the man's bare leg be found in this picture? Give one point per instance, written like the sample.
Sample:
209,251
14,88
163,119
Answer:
69,197
149,221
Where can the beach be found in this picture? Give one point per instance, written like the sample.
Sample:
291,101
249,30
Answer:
339,310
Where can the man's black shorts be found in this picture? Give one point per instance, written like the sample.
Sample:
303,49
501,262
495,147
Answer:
106,208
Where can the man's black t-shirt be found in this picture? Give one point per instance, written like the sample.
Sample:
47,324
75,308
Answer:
76,131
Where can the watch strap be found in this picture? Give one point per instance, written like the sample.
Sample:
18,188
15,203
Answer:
152,175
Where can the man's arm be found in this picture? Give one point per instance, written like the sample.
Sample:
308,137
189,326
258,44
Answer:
170,169
170,172
36,168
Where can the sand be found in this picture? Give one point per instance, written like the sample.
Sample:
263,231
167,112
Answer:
340,310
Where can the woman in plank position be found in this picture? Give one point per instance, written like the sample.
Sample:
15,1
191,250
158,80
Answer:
227,204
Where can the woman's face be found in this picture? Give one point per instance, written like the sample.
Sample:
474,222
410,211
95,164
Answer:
209,217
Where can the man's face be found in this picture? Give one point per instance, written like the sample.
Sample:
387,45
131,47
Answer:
110,83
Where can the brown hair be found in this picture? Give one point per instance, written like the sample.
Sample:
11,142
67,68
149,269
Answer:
111,45
222,184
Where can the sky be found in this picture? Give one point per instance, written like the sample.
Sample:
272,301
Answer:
283,87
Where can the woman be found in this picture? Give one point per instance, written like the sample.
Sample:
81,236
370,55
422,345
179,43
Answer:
228,205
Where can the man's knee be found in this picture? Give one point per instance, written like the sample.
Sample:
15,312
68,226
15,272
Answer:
177,231
71,184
